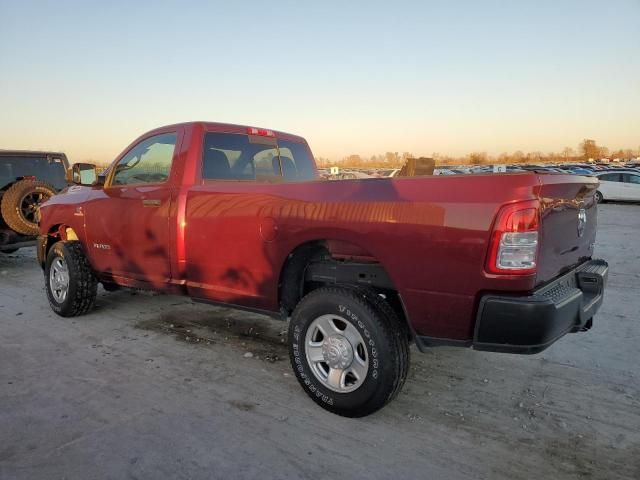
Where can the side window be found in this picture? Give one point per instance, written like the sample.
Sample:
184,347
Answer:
610,177
147,162
632,178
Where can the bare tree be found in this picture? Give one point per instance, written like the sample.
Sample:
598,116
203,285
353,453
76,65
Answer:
477,158
589,149
567,153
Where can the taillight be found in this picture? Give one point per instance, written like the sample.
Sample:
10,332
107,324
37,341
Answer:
260,131
514,241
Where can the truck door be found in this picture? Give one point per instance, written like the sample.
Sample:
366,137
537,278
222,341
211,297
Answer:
128,225
232,241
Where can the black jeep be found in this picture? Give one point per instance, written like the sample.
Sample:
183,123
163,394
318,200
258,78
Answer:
26,180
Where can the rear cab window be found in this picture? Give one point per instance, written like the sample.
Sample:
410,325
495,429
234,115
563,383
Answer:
242,157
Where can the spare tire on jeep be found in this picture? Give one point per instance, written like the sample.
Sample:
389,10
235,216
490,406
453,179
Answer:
20,204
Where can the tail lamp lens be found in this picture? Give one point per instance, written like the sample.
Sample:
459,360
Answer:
514,247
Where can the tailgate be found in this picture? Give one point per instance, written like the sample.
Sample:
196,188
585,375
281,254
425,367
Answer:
568,223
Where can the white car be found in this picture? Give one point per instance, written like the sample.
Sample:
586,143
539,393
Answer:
618,185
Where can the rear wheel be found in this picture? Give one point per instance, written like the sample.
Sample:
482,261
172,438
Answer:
21,205
599,197
348,351
13,250
71,284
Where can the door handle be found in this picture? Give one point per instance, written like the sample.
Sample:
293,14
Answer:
151,203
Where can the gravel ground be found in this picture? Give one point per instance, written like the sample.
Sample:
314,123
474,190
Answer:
155,387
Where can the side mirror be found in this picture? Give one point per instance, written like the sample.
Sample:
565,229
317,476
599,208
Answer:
84,174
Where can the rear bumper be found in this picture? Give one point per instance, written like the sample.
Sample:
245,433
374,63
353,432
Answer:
529,324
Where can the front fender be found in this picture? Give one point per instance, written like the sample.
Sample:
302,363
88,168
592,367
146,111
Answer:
65,208
62,217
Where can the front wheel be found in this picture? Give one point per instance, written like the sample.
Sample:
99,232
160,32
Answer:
71,284
599,197
348,350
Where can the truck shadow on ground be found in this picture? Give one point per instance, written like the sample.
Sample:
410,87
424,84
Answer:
257,335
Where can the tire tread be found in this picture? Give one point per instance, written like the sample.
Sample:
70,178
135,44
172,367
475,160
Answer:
10,205
86,287
393,334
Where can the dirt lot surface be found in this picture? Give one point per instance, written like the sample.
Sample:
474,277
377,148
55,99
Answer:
157,387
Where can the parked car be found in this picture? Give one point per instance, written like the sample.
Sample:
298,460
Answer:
580,171
236,216
26,180
539,168
389,172
620,185
352,174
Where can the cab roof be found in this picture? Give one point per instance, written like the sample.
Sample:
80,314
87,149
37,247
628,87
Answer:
232,128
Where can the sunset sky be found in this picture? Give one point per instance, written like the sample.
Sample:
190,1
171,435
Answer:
352,77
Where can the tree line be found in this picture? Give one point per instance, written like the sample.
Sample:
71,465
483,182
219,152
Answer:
587,149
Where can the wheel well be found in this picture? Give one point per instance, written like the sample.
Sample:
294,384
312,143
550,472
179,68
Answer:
291,284
58,232
312,265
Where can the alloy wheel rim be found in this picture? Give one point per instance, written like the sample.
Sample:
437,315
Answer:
30,206
59,279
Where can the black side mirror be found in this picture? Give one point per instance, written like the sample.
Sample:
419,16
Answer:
84,174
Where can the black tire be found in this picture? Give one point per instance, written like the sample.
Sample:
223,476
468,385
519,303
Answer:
82,283
599,197
13,250
402,331
20,204
387,349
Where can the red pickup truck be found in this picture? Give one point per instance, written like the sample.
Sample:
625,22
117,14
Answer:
237,216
